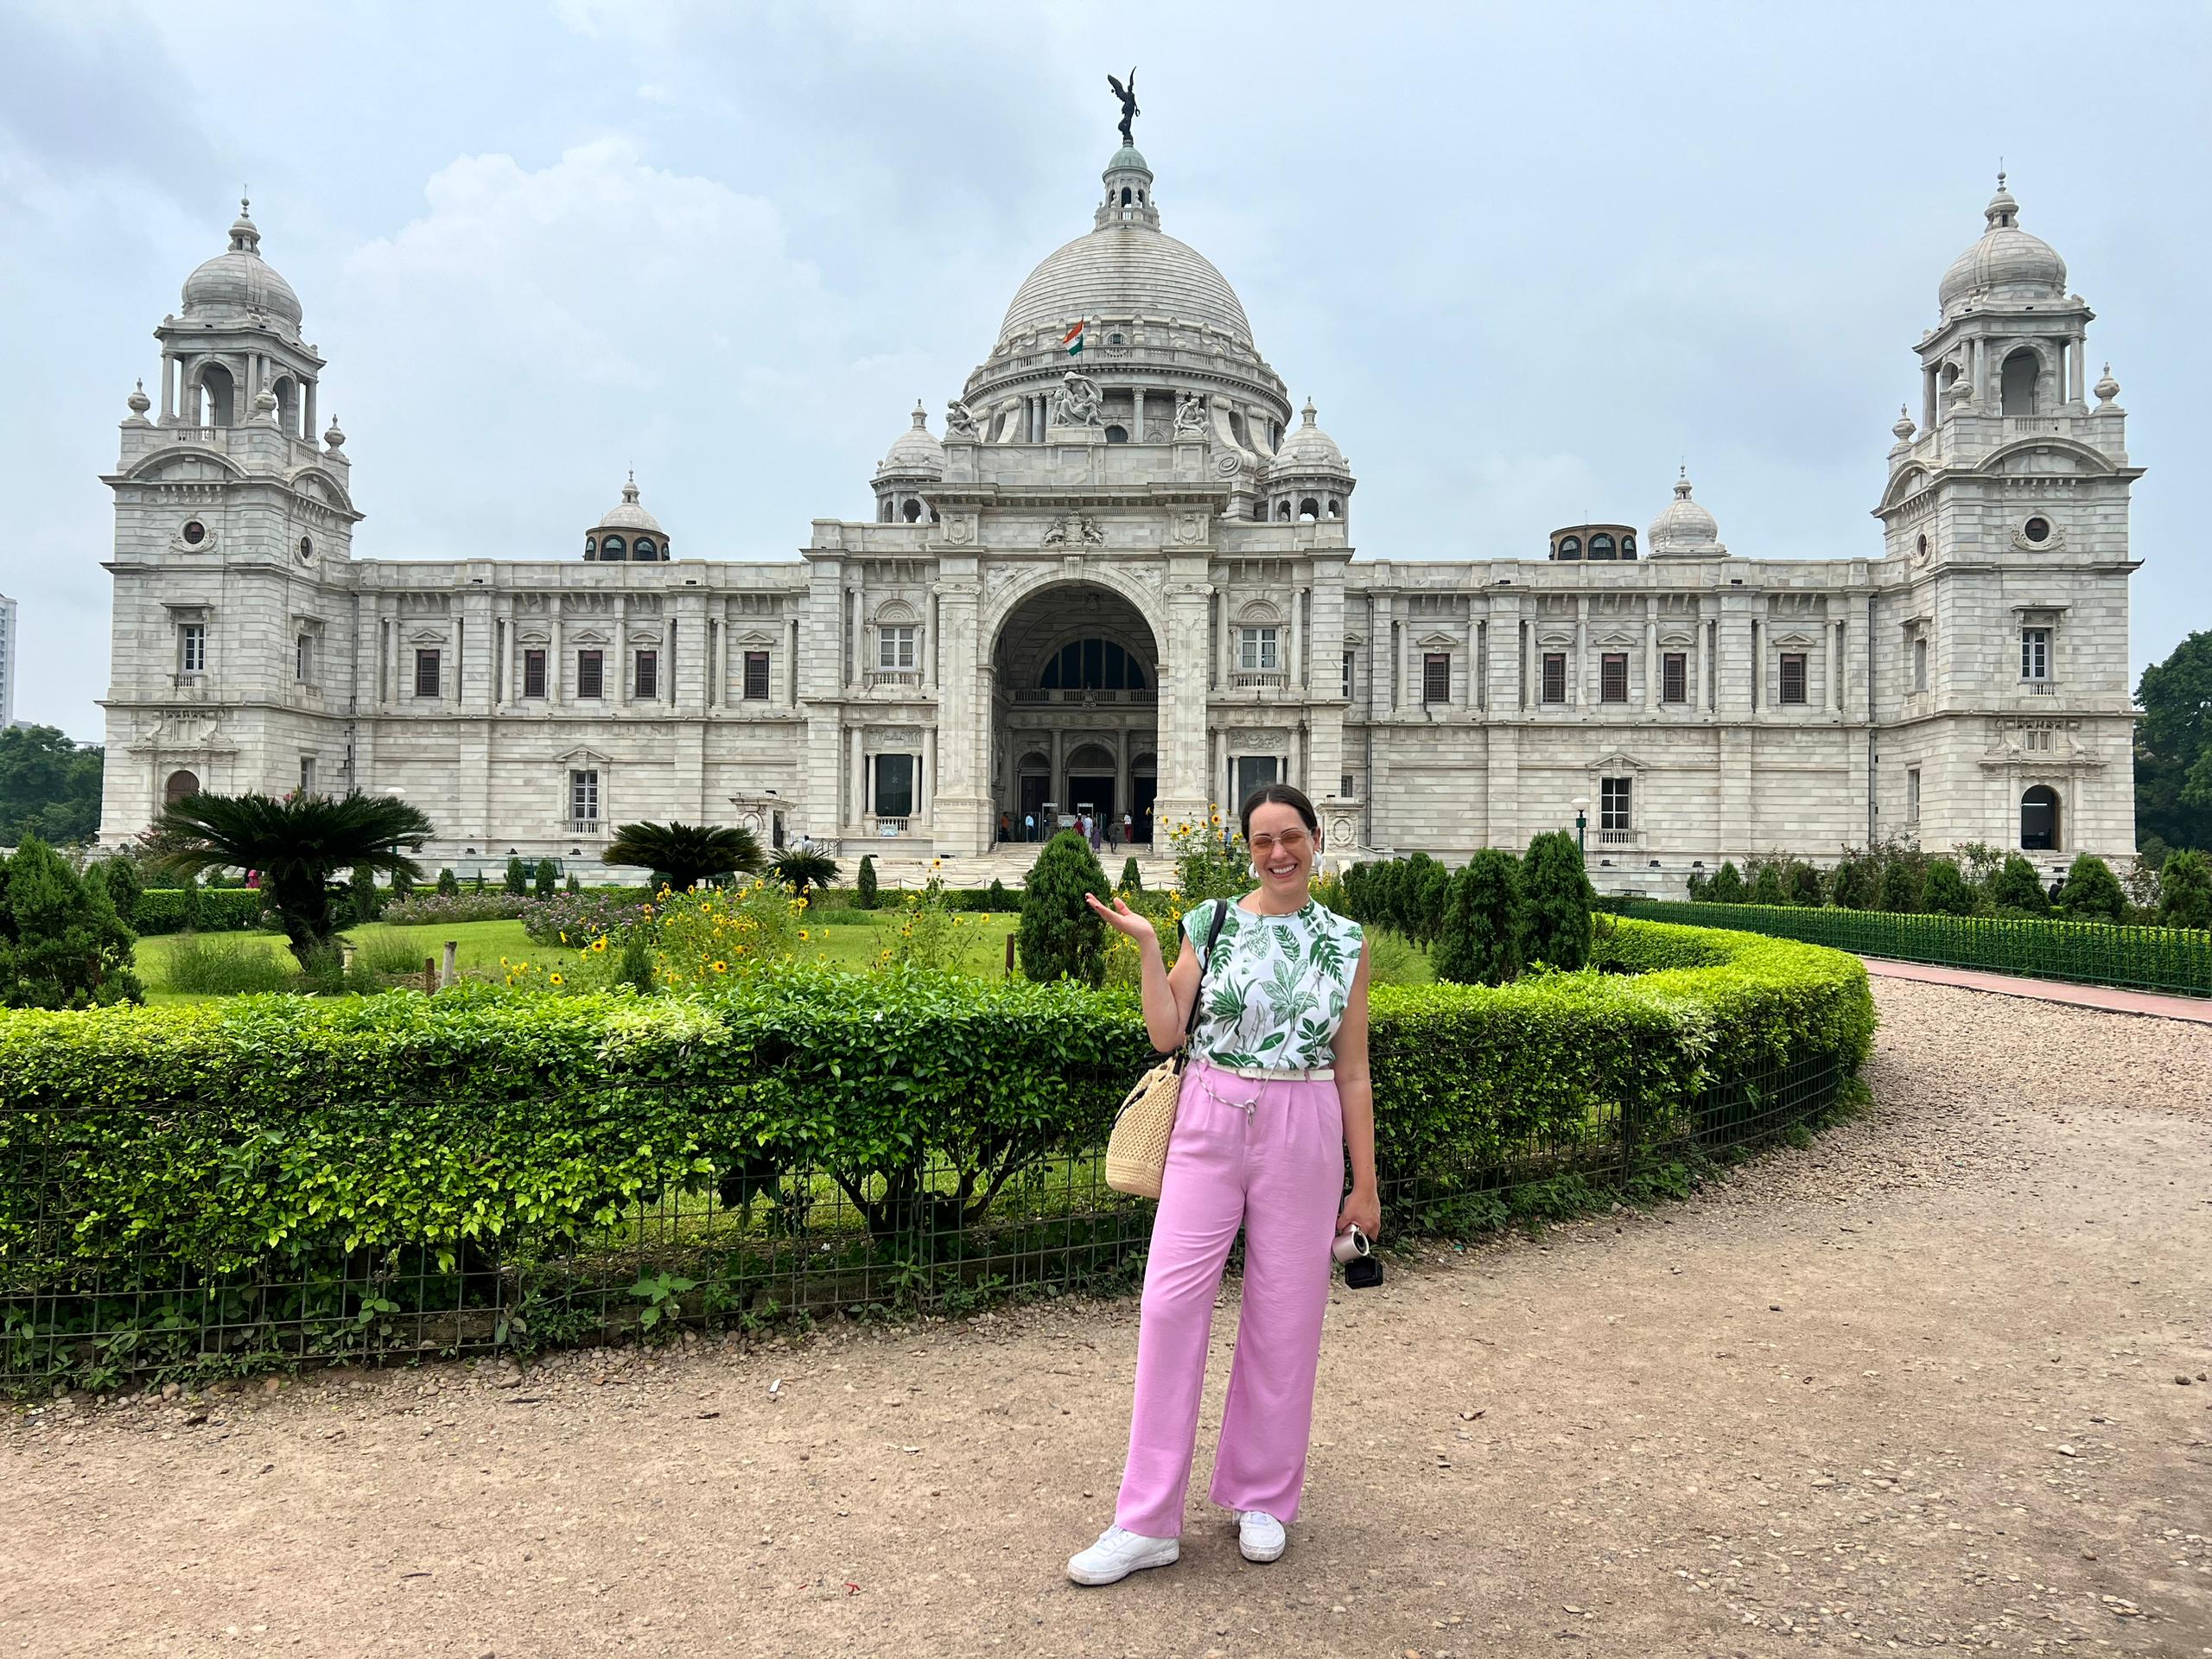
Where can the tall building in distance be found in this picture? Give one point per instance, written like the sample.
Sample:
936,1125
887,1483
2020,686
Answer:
9,646
1125,579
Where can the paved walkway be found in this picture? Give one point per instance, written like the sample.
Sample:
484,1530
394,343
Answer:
2110,998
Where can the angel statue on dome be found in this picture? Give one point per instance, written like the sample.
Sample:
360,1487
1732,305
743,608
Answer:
1129,95
1078,401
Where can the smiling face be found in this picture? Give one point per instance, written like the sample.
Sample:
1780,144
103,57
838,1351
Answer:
1283,850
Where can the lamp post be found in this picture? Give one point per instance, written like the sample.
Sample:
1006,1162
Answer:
1582,826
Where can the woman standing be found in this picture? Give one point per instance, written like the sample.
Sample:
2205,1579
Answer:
1275,1091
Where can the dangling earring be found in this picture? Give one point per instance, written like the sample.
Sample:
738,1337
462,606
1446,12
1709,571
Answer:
1254,868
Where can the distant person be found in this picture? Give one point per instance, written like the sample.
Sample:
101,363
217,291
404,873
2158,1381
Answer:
1029,826
1005,825
1128,829
1113,829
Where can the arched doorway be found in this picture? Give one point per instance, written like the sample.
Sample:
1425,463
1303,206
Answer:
1077,710
2039,820
180,785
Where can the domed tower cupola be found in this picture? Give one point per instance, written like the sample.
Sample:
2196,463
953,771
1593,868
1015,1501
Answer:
912,466
1309,480
1128,192
627,533
238,337
1684,530
2007,264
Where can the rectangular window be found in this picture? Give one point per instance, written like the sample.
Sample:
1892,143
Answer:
426,673
533,673
1675,677
303,659
1436,677
1256,771
894,647
1920,664
894,786
1613,803
756,676
1348,663
583,799
192,648
1347,787
1912,794
2035,653
1256,650
1613,676
1554,686
590,674
307,774
1793,677
648,675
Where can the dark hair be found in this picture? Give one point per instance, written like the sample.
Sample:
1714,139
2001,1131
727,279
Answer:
1277,795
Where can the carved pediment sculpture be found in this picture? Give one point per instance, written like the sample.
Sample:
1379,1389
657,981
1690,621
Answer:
1078,402
960,421
1191,417
1073,528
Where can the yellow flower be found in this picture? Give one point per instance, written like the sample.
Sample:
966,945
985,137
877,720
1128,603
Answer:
721,967
802,932
503,962
556,979
600,943
564,938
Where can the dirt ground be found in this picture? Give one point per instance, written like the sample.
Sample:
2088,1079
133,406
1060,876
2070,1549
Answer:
1937,1382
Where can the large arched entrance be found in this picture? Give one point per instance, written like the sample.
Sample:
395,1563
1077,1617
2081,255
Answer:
1076,713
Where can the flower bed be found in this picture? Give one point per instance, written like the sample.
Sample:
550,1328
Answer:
264,1179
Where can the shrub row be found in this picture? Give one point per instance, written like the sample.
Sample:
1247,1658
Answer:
2091,953
221,910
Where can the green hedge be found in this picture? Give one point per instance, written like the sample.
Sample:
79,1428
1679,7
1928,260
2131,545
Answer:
2172,959
222,910
229,1182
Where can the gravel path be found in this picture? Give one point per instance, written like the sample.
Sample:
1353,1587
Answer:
1920,1386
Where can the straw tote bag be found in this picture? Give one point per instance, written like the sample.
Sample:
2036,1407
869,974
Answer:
1136,1153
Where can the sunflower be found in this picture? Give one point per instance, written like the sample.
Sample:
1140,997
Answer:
600,943
720,967
555,979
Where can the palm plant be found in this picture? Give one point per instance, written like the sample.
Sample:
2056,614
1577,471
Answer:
799,870
298,844
682,855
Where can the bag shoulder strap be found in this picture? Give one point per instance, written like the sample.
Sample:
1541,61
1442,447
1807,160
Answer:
1205,958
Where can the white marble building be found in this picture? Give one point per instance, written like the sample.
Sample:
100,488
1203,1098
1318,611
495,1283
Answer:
1136,589
10,642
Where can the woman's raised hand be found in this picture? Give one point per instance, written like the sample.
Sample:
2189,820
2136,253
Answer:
1119,916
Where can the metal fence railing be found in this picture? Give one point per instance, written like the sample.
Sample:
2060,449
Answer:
724,1251
2175,959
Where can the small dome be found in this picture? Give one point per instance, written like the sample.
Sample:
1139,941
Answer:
1126,160
2008,264
1309,450
1684,527
915,450
239,281
629,515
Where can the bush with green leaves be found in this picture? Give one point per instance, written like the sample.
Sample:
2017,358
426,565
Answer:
801,870
1766,886
306,1162
1946,892
2185,890
1726,885
2016,886
363,896
1132,878
449,884
1855,883
1480,941
61,944
1801,883
518,875
124,884
864,886
441,909
1903,885
1556,900
998,900
544,879
193,908
1058,934
2092,891
224,964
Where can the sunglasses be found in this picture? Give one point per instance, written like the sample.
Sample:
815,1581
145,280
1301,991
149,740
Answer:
1291,841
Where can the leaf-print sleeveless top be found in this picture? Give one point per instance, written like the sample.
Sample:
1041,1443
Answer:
1276,986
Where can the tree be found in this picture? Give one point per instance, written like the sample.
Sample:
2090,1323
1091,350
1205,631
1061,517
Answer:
864,884
1852,885
1479,940
1766,888
1555,902
1726,886
2185,890
1803,883
298,844
518,876
125,883
1902,884
49,787
2016,886
574,886
189,921
2092,890
1058,934
61,944
545,878
798,870
1422,905
1132,877
998,899
2173,746
1946,892
449,884
368,902
685,856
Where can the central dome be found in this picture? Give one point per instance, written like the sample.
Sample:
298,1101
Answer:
1125,271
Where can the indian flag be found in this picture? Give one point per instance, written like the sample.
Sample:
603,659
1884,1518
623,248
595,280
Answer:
1073,340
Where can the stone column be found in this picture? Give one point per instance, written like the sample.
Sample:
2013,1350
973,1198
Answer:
960,813
1579,679
1834,699
856,771
1651,686
620,654
1182,631
926,786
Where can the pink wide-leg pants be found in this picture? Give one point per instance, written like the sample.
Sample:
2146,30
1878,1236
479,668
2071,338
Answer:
1277,1168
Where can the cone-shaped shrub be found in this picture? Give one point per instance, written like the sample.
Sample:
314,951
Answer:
1946,892
1803,883
367,901
1555,903
998,899
545,878
1058,934
518,875
1481,922
1766,889
1901,885
449,884
2092,891
2016,886
1132,877
864,886
2185,891
62,944
1726,886
1852,886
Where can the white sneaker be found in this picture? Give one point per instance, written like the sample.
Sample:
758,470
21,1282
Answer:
1259,1535
1118,1553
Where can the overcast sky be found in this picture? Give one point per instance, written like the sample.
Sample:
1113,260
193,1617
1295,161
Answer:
1525,259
